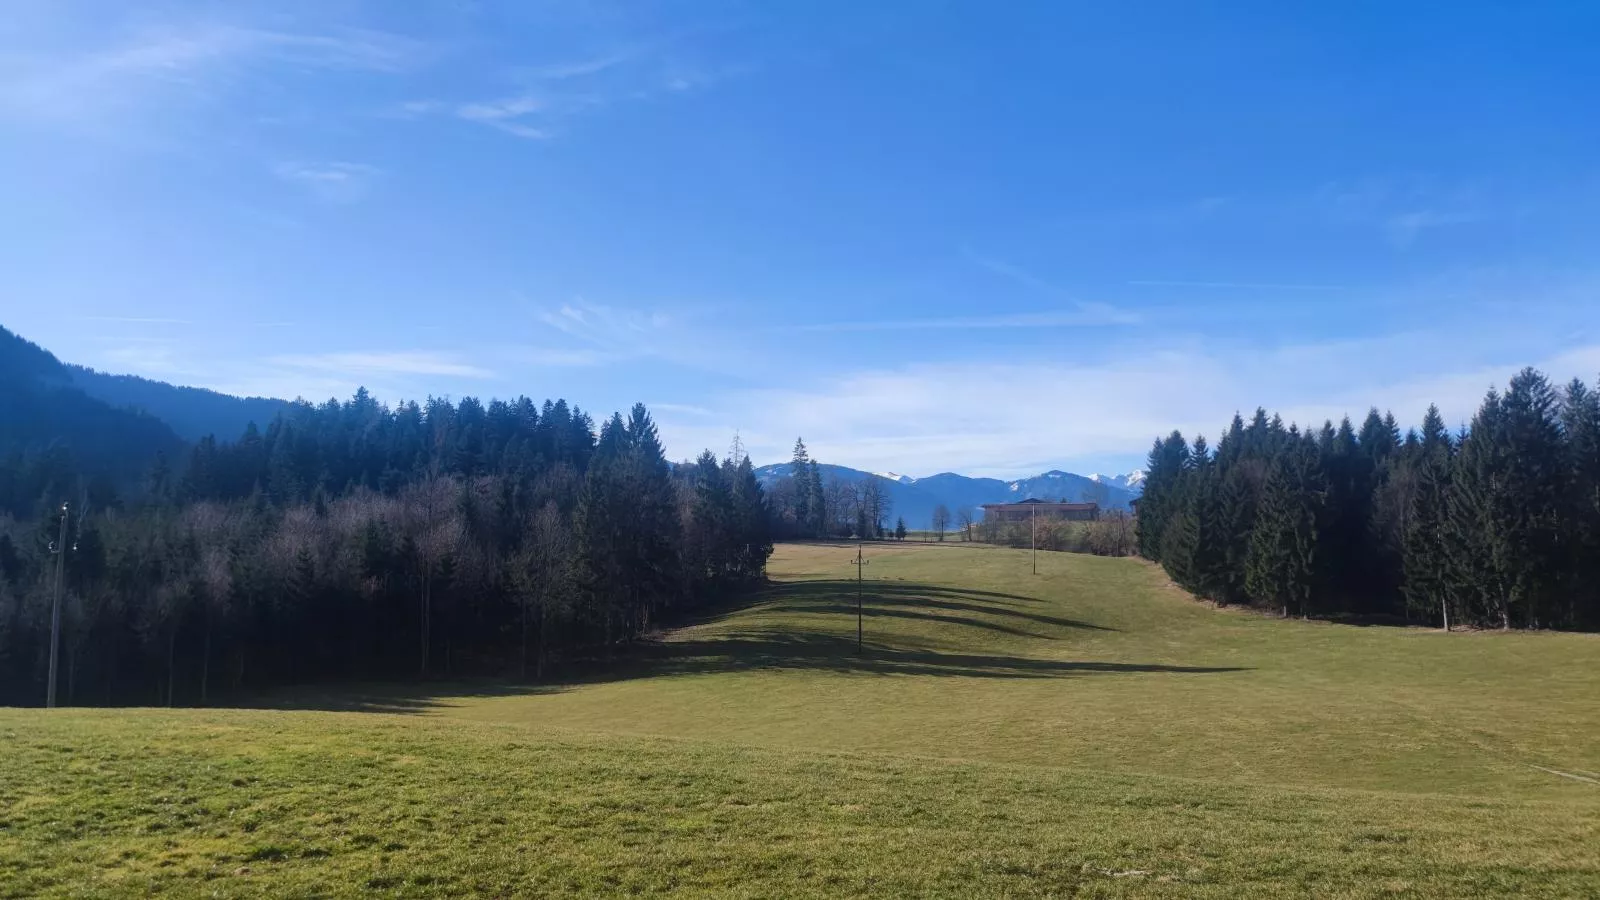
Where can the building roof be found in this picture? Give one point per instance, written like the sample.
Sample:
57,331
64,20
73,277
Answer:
1041,503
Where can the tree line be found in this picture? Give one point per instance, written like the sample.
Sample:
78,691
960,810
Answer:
807,505
352,540
1112,534
1497,525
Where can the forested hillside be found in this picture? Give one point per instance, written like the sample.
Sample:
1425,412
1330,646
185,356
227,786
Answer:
1496,526
51,433
354,540
193,413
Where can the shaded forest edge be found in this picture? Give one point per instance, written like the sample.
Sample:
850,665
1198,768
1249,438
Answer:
1495,526
351,541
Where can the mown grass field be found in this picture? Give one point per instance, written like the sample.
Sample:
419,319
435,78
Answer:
1085,732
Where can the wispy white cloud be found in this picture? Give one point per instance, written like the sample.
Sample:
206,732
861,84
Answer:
135,320
603,334
131,339
579,68
1091,312
151,358
1403,229
510,114
562,358
190,61
1401,208
550,94
604,326
1243,285
680,408
1093,316
1009,419
331,182
1013,272
385,363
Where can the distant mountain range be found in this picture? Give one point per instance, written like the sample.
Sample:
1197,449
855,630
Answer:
915,498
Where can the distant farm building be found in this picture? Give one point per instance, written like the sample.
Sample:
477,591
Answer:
1028,510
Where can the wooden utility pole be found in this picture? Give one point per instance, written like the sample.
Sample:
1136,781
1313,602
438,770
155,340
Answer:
1033,537
860,562
59,548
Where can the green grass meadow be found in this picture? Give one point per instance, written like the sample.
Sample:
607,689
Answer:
1087,731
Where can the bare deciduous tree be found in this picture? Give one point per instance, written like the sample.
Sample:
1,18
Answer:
434,530
877,505
543,578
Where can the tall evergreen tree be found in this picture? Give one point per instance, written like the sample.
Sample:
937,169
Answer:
1533,492
1425,560
817,505
751,514
1191,549
653,530
1163,493
800,478
1580,421
1282,568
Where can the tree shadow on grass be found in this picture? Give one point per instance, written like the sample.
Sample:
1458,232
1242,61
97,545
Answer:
877,610
842,593
392,696
686,652
756,651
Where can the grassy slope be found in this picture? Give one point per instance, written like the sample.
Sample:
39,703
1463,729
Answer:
1088,730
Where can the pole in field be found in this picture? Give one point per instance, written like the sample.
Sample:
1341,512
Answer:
859,563
1033,537
59,548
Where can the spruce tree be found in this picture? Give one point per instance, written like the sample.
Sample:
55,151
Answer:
1476,569
1509,487
599,534
1424,558
1283,564
817,521
710,551
1180,547
752,516
1580,420
1236,497
1163,491
1387,492
800,475
654,529
1191,548
1533,491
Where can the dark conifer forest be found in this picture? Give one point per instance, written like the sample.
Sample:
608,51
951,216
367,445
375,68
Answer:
351,540
1497,525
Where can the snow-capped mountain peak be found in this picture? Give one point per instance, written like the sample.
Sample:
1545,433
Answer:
917,498
1132,481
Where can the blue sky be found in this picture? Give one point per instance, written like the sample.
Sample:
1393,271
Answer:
989,238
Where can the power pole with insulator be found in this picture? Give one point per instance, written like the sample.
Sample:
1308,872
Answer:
1033,537
58,547
860,563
